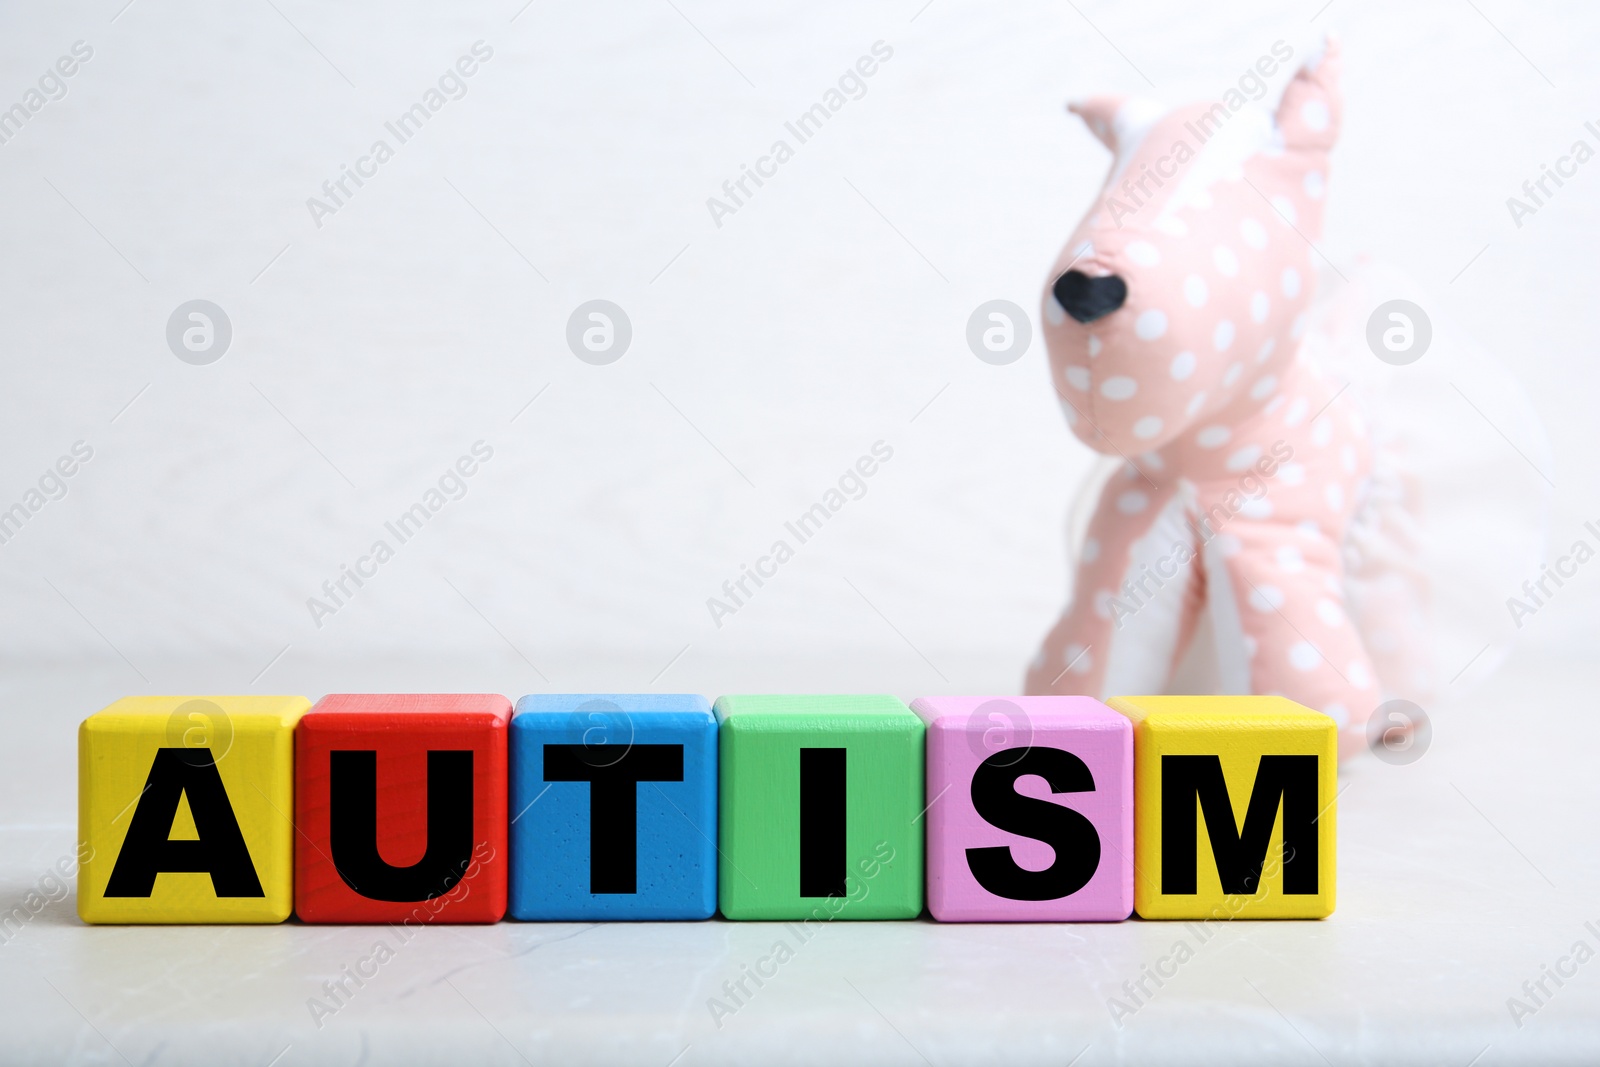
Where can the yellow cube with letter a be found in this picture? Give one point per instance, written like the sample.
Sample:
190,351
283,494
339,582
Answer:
1234,814
185,809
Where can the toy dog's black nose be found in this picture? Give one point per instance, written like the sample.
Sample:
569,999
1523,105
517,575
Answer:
1087,299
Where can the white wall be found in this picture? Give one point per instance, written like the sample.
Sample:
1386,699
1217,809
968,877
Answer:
805,328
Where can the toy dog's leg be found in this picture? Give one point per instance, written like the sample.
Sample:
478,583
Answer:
1135,599
1276,596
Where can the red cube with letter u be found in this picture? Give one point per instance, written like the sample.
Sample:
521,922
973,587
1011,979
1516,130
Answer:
400,809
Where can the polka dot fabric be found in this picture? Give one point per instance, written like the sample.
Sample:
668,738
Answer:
1241,470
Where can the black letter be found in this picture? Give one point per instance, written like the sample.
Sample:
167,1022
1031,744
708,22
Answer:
822,797
353,827
220,850
1240,854
613,802
1069,832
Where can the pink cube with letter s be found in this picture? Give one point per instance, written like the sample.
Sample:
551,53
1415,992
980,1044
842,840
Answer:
1030,812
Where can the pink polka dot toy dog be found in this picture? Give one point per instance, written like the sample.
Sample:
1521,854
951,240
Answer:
1174,319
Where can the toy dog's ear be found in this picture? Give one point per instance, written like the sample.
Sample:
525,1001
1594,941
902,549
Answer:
1099,113
1308,114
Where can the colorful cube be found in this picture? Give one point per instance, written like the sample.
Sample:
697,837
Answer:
1234,812
614,807
401,805
185,810
1030,809
821,800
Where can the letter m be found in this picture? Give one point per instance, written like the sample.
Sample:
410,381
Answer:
1212,118
17,116
810,522
1286,782
12,922
412,119
412,520
811,121
11,521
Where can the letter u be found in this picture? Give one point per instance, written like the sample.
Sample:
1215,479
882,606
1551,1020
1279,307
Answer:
353,827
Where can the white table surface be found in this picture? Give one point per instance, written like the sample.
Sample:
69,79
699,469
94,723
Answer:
1459,876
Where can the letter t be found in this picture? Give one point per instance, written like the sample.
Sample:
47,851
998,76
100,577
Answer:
613,802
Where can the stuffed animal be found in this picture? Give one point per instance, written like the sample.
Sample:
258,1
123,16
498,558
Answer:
1175,318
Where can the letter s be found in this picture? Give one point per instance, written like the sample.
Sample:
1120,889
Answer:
1074,838
483,450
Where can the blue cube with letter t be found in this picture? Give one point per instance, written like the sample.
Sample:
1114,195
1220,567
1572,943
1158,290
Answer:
613,807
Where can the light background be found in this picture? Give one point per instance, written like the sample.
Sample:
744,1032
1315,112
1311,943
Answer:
768,354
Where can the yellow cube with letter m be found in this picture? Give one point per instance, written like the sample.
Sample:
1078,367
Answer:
1234,814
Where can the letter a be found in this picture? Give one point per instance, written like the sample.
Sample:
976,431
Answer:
220,850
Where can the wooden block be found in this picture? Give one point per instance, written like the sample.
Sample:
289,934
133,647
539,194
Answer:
184,810
821,799
1030,810
401,806
615,805
1234,812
